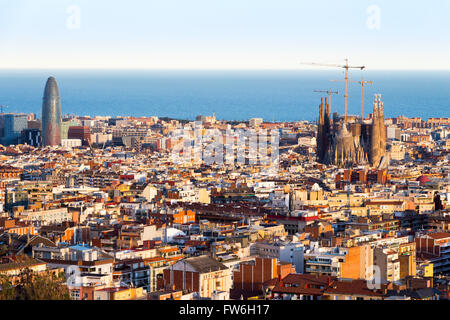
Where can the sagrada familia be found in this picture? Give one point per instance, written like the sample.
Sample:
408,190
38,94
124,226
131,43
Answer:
346,143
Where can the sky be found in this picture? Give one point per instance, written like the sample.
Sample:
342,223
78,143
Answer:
223,34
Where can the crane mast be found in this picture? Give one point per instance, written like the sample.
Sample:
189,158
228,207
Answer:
362,83
329,92
346,66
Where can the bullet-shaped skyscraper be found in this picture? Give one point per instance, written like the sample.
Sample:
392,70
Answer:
51,114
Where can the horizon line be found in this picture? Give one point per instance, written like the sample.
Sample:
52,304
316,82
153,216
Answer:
204,69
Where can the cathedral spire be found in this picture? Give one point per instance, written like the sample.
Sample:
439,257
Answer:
320,134
375,134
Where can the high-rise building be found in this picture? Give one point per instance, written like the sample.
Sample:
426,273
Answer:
11,126
32,137
66,124
51,114
80,132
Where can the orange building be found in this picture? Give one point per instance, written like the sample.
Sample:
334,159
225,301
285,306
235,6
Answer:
357,260
249,279
170,294
65,233
22,230
9,172
19,228
6,223
363,176
319,229
184,216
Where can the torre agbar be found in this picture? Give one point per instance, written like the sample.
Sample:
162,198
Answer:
51,114
349,141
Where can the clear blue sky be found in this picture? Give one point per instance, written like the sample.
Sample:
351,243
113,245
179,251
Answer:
223,34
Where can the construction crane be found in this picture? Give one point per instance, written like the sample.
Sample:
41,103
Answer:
329,94
362,83
346,67
2,107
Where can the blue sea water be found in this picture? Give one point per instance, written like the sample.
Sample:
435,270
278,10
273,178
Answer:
231,95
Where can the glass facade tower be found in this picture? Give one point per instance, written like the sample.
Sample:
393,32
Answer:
51,114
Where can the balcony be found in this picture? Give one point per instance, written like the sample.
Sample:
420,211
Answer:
141,277
323,270
318,262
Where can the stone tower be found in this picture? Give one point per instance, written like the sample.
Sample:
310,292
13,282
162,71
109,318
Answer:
378,133
345,143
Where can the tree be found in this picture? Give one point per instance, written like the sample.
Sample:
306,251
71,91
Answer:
3,250
7,290
43,287
32,286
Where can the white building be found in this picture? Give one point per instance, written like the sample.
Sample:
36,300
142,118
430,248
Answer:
255,122
47,217
291,252
71,143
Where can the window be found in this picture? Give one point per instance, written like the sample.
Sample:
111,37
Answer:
75,294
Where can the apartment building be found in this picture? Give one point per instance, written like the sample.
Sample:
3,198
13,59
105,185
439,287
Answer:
46,217
202,274
132,272
283,251
76,258
396,259
120,293
353,262
250,277
435,248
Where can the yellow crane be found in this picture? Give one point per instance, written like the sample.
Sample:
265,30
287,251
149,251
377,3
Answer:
329,92
346,66
362,83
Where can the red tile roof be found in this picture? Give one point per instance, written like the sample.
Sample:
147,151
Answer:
439,235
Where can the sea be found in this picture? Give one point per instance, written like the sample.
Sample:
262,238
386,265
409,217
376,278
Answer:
228,94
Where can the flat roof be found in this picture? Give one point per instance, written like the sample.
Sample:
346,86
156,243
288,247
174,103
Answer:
80,247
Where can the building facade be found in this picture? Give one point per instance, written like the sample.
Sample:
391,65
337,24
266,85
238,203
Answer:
345,144
51,114
11,127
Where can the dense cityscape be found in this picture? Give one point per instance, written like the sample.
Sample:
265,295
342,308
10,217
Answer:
349,207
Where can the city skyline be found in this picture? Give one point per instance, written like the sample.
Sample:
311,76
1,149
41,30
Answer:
253,165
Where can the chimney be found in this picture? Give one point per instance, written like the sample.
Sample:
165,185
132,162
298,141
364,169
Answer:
280,280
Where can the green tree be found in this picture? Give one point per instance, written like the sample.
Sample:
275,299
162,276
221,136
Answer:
43,287
33,286
3,250
7,290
